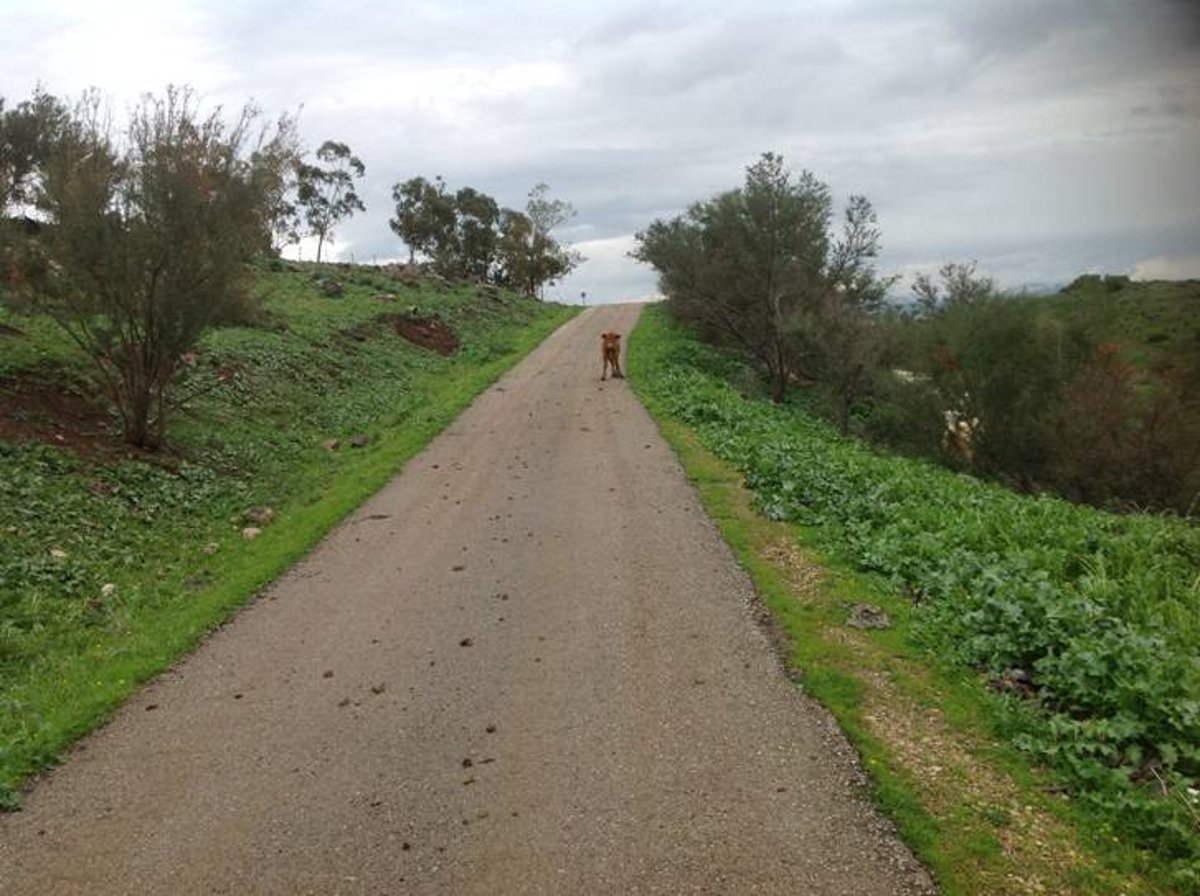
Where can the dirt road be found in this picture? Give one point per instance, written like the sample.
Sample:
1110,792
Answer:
529,665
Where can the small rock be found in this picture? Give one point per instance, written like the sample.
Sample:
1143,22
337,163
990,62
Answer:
251,532
58,553
467,763
465,642
108,589
378,688
360,441
867,616
331,444
260,516
328,673
211,548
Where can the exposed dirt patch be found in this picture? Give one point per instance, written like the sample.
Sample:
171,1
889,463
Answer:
426,332
52,412
801,574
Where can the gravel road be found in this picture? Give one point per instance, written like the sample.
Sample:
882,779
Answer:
528,665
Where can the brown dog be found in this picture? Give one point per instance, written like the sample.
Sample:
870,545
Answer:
610,355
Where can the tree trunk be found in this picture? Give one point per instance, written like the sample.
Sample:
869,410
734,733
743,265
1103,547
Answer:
320,242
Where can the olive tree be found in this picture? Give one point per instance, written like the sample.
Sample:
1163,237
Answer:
148,237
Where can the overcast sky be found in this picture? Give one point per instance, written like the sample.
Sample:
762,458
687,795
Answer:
1044,138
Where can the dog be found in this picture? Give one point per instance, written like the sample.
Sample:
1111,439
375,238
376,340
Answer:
610,355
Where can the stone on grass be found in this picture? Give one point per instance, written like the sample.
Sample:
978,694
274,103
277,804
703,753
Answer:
867,616
260,516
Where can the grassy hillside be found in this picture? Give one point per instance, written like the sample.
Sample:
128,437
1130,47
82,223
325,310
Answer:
114,563
1092,393
1157,320
1033,716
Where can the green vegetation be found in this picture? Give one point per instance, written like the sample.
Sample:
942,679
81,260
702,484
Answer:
326,195
1158,320
467,235
113,564
762,268
1083,625
1094,395
143,241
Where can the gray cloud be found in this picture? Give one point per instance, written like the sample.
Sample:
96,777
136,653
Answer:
1042,138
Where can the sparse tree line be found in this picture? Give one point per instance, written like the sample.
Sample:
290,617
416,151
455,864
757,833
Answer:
994,383
137,239
466,235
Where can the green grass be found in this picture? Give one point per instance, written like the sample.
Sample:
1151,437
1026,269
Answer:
1102,611
168,536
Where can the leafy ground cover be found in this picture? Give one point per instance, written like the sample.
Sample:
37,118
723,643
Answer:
1053,645
113,564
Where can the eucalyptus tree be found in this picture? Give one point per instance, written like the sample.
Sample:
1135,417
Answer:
325,192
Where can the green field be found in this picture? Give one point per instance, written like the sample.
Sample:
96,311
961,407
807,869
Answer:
113,565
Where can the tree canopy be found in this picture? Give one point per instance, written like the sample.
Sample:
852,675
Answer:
763,267
467,235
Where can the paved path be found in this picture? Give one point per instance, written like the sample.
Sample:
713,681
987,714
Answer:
529,665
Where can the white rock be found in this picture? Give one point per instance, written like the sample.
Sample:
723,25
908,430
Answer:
251,532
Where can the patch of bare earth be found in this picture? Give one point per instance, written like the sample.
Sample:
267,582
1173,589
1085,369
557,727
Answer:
801,575
46,409
427,332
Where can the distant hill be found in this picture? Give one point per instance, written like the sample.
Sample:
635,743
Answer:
1156,321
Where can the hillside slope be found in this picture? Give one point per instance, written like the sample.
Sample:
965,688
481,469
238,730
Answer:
113,563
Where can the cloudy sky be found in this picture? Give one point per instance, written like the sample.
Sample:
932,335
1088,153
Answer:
1043,138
